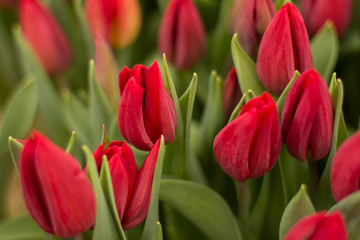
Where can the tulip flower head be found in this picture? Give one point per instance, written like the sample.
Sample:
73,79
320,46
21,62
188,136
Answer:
284,48
307,117
231,93
345,168
319,226
182,34
45,36
146,110
117,21
316,13
57,192
249,146
132,188
249,19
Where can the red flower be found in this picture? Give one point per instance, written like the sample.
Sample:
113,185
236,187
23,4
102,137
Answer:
132,188
182,34
345,168
316,13
284,48
57,193
231,93
318,226
45,36
249,146
146,110
307,117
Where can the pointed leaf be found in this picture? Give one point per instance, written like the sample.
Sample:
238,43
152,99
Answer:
15,150
280,102
158,233
71,145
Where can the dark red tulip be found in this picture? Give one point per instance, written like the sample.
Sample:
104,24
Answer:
345,168
316,13
284,48
307,117
319,226
146,110
249,19
182,34
231,93
132,188
249,146
45,36
57,192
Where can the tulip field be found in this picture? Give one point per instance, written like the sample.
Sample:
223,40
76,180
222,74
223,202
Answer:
179,119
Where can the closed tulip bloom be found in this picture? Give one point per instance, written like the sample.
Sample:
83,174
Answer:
319,226
345,168
307,117
231,93
249,146
182,34
249,19
45,36
146,110
57,193
132,188
117,21
284,48
316,13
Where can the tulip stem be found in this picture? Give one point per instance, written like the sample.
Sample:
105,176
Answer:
79,237
314,176
242,195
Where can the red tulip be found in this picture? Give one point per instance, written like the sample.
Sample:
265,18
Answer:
57,193
146,110
8,3
318,226
117,21
316,13
345,168
249,19
45,36
249,146
307,117
132,188
284,48
182,34
231,93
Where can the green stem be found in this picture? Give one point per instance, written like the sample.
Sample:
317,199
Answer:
242,195
283,181
314,176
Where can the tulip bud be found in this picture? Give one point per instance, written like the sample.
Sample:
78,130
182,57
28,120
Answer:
345,168
249,146
182,34
57,193
231,93
117,21
146,110
284,48
249,19
316,13
132,188
45,36
307,117
319,226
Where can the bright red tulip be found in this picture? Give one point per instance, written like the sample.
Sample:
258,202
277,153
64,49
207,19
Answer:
345,168
319,226
249,19
117,21
231,93
146,110
45,36
249,146
132,188
57,193
284,48
307,117
182,34
316,13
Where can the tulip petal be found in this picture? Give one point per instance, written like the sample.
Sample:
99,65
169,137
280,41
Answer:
305,227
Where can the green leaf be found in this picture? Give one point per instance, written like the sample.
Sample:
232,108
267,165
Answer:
245,69
299,207
280,102
22,228
237,109
325,50
15,150
71,145
280,3
158,233
202,206
350,209
152,218
20,113
105,227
